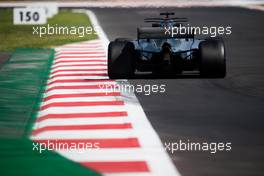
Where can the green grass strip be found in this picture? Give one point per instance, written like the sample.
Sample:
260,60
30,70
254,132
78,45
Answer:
17,36
22,81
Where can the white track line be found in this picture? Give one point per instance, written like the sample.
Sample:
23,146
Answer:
78,77
82,99
69,110
131,154
83,134
79,67
76,91
80,84
79,72
143,129
80,59
81,121
128,174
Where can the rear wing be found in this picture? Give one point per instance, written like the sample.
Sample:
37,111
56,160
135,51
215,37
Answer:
158,33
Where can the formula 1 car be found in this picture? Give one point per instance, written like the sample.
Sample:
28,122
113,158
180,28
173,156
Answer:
156,50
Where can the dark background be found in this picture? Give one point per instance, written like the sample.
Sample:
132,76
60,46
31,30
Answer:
208,110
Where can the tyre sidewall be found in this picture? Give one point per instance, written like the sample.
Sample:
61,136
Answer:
212,58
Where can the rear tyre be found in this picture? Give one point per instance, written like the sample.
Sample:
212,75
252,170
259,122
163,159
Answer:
121,61
212,58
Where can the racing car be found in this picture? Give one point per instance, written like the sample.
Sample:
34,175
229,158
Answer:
157,51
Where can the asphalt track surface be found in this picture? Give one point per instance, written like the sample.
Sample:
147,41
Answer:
208,110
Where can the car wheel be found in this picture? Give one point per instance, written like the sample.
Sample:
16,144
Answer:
212,58
121,61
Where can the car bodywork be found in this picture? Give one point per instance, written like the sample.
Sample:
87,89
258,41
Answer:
157,51
168,50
